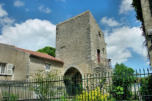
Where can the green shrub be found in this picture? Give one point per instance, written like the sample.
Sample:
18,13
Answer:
44,88
146,88
122,81
10,97
13,97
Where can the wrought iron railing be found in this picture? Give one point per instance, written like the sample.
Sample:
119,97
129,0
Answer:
91,87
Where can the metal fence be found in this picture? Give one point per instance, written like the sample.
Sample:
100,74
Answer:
91,87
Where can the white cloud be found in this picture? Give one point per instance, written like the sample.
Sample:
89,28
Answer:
44,9
2,11
4,19
31,34
18,3
120,42
109,21
125,6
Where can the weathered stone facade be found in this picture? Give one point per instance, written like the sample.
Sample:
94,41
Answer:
24,63
18,58
80,44
147,21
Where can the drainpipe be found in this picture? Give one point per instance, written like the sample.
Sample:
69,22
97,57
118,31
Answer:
28,66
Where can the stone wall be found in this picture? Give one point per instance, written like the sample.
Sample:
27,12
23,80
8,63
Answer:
73,42
97,42
77,42
9,54
147,17
25,65
38,64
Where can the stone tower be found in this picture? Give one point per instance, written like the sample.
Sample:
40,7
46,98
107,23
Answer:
80,44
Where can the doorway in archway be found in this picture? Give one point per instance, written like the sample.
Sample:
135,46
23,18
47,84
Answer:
73,81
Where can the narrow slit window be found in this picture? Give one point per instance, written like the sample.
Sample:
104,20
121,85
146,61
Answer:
99,34
98,55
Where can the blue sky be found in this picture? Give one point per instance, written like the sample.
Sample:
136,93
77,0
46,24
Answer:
30,24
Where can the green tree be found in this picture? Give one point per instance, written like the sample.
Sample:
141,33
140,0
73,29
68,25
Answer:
122,81
48,50
146,88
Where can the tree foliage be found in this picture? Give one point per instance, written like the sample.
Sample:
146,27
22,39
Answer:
122,81
137,5
146,88
48,50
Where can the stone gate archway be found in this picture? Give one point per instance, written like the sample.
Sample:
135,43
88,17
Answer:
73,81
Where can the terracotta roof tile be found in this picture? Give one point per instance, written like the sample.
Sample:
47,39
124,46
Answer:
41,55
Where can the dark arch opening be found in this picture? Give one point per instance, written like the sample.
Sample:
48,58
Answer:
73,81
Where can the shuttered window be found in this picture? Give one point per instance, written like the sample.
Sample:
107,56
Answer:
2,68
10,69
6,69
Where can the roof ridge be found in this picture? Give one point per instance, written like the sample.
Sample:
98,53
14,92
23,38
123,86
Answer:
39,54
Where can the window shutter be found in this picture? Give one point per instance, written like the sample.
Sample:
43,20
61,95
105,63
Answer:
2,68
9,70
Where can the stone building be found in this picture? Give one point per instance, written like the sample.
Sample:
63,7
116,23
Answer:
21,64
144,14
80,49
80,44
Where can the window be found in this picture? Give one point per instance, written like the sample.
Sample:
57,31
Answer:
2,68
99,33
98,55
6,69
47,67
